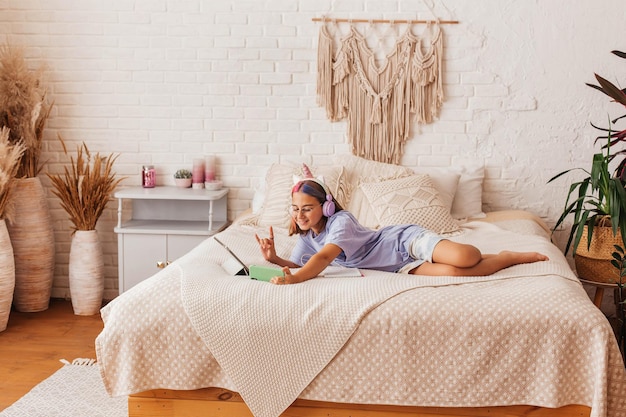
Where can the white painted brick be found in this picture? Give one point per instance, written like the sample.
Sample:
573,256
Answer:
295,43
275,78
229,42
228,113
485,103
492,90
249,54
256,90
477,78
445,126
276,54
291,67
455,114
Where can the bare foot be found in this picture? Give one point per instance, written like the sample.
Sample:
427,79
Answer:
524,257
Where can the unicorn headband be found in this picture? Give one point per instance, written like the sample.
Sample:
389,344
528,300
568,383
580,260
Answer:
307,175
328,207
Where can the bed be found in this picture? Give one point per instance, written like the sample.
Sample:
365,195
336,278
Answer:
193,340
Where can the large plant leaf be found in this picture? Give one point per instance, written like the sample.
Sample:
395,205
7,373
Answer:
597,87
619,54
579,227
611,90
598,170
565,172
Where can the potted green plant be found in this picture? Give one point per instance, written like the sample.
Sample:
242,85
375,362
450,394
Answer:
182,177
598,201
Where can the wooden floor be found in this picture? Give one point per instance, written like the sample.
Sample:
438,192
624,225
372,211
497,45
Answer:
33,343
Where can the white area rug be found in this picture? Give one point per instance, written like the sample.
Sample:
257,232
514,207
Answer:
75,390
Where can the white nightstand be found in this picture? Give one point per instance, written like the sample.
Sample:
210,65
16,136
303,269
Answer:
166,223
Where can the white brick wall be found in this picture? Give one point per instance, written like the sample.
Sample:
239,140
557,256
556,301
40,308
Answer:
162,81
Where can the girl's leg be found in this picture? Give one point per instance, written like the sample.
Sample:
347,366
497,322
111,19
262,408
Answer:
457,259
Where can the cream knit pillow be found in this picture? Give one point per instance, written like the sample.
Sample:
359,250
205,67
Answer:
409,200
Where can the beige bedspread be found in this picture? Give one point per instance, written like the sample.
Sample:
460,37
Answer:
527,335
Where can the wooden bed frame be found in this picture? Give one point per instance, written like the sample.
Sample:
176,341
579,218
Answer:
218,402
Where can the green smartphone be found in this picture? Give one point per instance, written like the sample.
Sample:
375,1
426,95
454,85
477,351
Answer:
265,273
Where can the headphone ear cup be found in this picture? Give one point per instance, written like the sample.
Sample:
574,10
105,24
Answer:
328,209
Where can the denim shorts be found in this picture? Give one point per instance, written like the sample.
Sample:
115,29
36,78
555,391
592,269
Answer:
421,249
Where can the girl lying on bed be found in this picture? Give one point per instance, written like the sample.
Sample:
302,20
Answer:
328,233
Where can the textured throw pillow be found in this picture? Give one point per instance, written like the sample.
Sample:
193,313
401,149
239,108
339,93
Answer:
278,184
358,171
445,181
410,200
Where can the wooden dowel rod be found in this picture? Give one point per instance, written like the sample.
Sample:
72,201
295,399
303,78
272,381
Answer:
324,19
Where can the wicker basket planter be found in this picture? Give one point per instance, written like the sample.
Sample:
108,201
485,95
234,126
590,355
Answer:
7,275
594,264
32,238
86,273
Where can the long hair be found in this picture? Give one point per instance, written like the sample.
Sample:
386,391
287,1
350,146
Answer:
316,190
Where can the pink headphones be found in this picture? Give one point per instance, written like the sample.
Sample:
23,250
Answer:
328,207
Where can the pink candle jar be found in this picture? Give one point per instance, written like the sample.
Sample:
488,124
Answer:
148,176
209,169
197,173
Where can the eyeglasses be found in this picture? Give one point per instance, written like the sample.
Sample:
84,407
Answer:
295,210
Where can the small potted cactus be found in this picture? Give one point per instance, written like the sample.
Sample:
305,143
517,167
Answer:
182,177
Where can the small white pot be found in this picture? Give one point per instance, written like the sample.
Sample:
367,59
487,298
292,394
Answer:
183,182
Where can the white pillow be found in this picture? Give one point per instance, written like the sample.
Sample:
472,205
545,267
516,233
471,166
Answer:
278,185
467,199
409,200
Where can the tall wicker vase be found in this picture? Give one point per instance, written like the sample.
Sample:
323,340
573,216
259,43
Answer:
32,238
7,275
86,273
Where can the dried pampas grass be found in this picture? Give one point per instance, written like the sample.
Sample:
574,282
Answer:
86,187
23,106
10,156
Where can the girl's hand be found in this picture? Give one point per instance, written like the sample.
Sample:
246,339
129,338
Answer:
267,246
286,279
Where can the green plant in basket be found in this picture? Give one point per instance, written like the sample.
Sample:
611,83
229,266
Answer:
598,199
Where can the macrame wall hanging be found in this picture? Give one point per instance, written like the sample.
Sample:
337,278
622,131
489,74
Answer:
380,101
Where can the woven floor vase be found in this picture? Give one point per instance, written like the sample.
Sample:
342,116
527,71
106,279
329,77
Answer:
32,238
7,275
86,273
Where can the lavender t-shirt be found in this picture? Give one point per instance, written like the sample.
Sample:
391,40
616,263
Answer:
385,249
